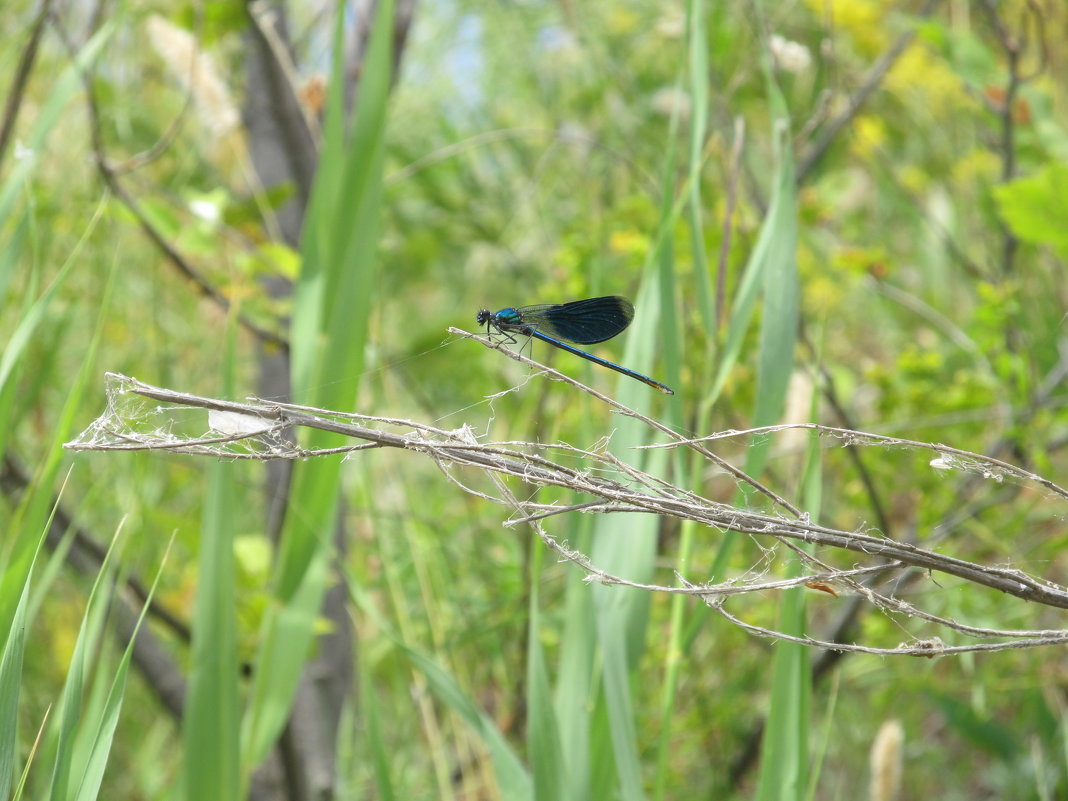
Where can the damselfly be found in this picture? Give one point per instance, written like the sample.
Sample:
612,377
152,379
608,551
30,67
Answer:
582,321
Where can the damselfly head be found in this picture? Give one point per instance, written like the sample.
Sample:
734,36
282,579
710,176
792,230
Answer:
483,317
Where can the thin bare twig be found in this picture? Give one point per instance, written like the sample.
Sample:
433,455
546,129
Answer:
994,468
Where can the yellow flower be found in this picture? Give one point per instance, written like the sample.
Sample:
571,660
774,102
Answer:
922,76
978,164
914,179
629,242
623,21
863,20
869,134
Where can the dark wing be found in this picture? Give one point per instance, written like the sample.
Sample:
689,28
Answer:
582,321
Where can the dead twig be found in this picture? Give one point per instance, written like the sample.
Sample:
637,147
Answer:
251,430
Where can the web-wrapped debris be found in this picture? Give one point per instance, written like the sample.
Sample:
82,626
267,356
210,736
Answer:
136,420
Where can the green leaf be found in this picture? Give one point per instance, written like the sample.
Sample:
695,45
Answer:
213,20
1036,208
370,703
783,771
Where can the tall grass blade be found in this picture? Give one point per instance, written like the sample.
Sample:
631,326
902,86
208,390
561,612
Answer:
543,734
28,526
81,665
782,293
513,780
10,685
785,772
37,502
24,332
784,755
626,545
575,688
773,266
331,310
784,767
104,735
372,715
697,52
697,58
210,730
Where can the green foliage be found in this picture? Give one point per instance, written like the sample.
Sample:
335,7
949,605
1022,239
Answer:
212,726
540,152
330,320
1036,207
10,681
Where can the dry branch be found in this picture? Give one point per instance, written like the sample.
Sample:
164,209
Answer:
253,430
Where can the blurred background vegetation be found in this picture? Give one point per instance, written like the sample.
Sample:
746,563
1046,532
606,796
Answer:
364,629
